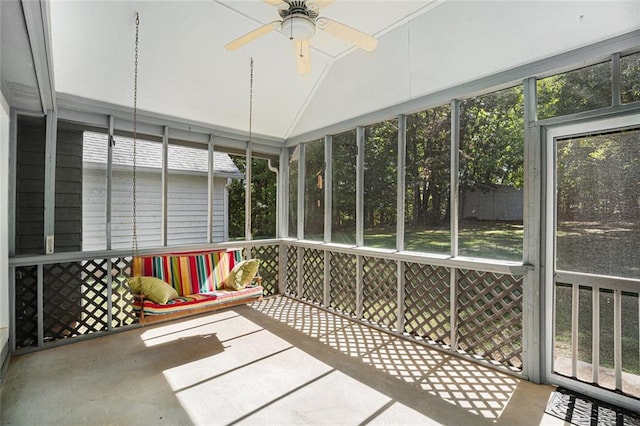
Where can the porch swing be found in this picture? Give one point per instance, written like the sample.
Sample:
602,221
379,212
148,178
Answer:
174,285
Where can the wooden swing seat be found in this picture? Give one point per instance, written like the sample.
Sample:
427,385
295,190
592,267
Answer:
198,277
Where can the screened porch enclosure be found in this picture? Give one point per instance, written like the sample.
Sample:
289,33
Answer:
494,219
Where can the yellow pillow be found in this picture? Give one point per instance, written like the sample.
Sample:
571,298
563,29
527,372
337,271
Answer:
153,289
135,284
242,274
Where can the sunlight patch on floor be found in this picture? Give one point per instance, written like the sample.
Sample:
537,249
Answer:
477,389
186,328
261,379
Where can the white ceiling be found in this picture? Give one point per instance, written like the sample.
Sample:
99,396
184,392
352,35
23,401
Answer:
184,69
185,72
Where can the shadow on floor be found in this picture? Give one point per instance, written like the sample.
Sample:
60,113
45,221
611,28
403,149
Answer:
442,387
278,361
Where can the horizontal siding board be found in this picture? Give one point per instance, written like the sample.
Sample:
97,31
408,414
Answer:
34,228
27,186
68,174
31,171
33,206
33,159
68,199
69,187
31,244
186,209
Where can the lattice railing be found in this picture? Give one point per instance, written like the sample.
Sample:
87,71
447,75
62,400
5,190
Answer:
26,306
78,298
313,275
486,307
342,283
380,297
122,312
292,271
490,316
427,302
90,296
268,256
74,299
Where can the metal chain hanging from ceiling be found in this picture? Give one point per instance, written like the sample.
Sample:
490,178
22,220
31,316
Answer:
249,153
251,102
135,137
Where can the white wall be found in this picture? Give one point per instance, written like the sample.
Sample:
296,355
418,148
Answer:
4,222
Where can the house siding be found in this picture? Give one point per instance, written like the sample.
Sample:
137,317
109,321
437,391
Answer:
30,186
186,209
68,207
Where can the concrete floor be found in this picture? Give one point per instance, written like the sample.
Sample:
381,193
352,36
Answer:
276,362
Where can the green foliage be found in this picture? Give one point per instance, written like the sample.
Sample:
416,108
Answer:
314,190
236,202
575,91
492,139
598,177
380,175
344,152
630,69
428,180
263,201
293,198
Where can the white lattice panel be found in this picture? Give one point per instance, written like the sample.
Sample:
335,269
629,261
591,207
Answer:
490,316
427,302
380,292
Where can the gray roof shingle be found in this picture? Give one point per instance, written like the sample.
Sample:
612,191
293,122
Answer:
149,155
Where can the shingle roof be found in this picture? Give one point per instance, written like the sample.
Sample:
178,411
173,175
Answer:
149,155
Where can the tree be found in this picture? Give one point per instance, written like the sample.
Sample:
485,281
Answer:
428,167
380,174
314,190
492,139
344,182
263,201
575,91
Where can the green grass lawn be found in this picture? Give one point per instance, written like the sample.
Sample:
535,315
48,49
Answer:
483,239
599,248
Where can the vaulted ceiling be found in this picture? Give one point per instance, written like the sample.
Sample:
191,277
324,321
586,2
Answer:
185,72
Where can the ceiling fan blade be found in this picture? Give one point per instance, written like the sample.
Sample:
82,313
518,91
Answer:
274,2
316,5
346,33
249,37
303,56
323,3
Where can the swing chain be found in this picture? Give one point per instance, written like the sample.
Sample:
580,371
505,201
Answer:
135,137
251,103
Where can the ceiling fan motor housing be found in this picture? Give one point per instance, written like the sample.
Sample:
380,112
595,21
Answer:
298,7
298,21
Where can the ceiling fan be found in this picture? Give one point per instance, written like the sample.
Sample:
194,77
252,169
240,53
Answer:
300,18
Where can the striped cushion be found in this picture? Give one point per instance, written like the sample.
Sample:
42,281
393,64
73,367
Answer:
192,273
185,303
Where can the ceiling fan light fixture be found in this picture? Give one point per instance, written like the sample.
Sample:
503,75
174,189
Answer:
298,27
